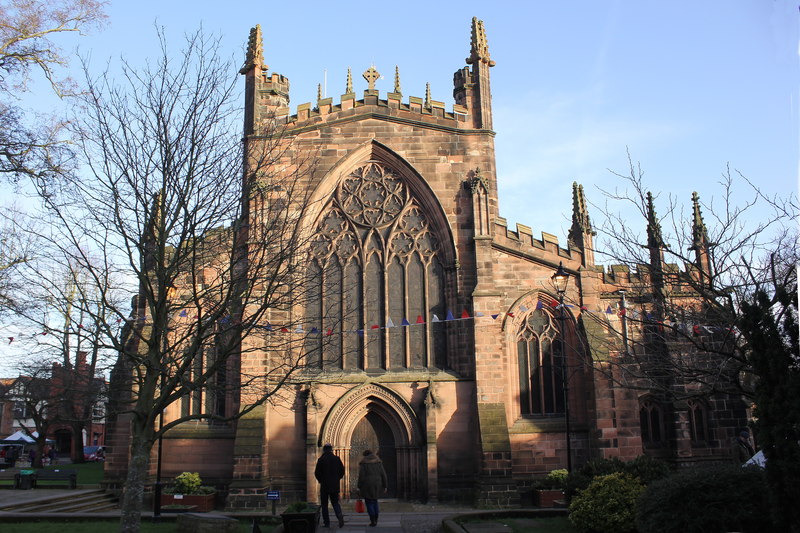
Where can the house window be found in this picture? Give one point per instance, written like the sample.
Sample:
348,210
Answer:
698,421
651,420
540,366
377,263
21,410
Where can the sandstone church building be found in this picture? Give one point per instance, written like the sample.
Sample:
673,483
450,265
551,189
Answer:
453,368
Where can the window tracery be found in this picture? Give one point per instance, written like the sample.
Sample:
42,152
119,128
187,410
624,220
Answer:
540,365
377,261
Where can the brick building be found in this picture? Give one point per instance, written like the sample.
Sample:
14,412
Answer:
450,363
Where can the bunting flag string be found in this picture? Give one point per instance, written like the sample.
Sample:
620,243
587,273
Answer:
646,316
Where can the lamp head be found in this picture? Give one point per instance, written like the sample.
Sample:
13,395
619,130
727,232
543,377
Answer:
560,279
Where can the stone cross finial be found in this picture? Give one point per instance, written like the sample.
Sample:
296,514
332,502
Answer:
371,75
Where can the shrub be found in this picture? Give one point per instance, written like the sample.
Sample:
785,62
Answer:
647,469
579,479
710,499
189,483
300,507
555,480
607,505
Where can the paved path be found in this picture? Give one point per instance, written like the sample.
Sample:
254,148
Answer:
395,517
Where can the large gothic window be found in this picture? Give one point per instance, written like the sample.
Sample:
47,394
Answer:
380,277
540,365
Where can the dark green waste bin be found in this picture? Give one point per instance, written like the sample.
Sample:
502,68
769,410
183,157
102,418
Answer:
26,479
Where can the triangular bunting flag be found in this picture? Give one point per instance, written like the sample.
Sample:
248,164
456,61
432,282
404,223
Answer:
584,308
183,313
494,317
435,319
375,326
449,315
554,304
389,323
420,319
609,311
523,308
479,314
329,332
313,331
464,314
510,314
268,327
405,322
10,340
299,329
360,332
539,305
284,330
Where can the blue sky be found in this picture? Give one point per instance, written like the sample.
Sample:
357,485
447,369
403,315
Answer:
686,86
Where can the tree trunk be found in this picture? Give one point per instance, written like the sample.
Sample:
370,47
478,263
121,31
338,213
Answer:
77,443
133,495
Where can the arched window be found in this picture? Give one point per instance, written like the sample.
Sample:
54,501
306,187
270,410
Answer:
380,277
698,421
539,348
651,420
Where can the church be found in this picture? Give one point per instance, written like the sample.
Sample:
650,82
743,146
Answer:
474,357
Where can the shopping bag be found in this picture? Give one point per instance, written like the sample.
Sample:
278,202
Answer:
360,506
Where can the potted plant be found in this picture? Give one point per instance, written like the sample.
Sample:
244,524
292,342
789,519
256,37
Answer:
301,517
188,490
550,489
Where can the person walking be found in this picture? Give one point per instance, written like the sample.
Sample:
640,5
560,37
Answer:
372,483
742,450
329,471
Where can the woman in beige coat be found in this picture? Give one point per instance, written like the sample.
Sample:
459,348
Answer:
372,483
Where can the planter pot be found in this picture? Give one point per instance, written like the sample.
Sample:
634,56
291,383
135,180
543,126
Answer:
303,522
548,497
202,502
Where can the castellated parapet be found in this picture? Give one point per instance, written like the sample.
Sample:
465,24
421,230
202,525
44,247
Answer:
273,102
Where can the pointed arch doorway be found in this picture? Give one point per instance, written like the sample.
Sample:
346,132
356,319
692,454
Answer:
372,432
372,416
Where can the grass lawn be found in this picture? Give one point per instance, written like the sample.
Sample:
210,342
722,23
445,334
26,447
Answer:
88,473
106,526
559,524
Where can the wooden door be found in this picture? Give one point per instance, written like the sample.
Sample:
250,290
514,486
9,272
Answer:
373,433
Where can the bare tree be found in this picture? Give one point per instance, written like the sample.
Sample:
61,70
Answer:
710,308
16,249
35,403
686,275
36,147
208,241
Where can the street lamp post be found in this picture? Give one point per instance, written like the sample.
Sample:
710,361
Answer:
560,280
157,488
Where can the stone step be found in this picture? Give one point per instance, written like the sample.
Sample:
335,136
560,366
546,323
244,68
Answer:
82,501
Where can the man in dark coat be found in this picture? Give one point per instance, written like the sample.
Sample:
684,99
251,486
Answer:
372,483
328,472
742,451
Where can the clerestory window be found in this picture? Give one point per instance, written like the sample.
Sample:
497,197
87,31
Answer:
380,279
